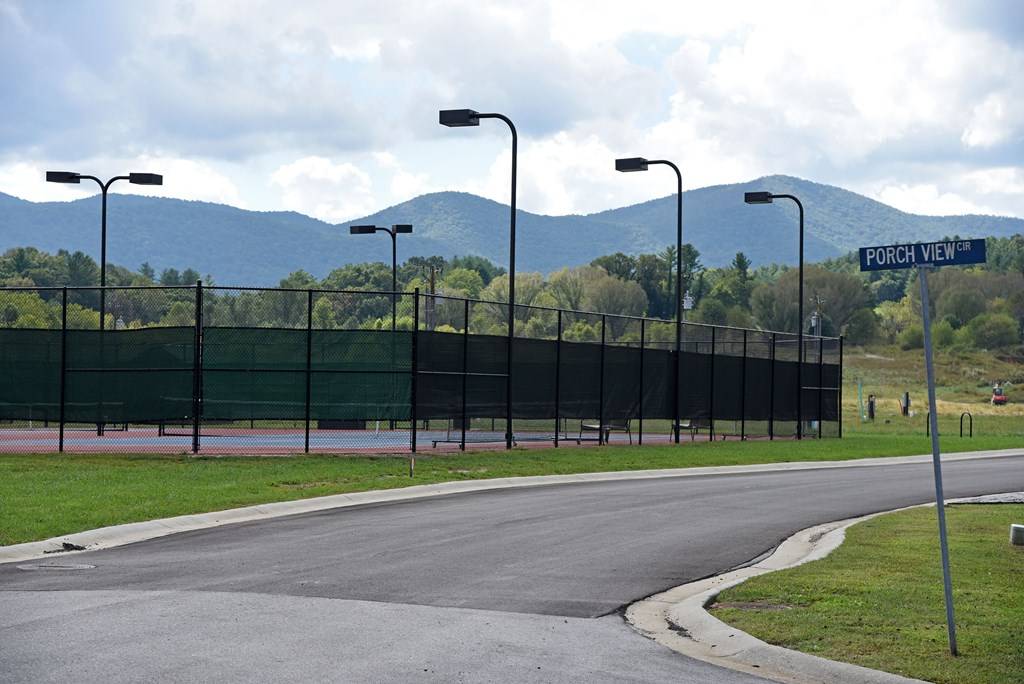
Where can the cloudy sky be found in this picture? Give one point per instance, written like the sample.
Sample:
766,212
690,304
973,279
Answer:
330,108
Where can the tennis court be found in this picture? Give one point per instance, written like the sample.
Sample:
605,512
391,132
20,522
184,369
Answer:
249,370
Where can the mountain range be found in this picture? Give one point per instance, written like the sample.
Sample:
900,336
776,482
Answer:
240,247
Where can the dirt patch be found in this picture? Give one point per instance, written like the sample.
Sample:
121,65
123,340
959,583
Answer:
750,605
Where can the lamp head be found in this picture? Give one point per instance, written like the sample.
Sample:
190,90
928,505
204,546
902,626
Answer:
402,228
757,197
62,177
631,164
455,118
145,178
362,230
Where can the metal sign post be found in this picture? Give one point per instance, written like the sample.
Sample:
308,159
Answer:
933,419
923,256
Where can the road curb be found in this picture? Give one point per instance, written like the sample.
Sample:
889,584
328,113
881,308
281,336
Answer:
128,533
678,618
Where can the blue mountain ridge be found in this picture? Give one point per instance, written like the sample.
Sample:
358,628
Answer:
241,247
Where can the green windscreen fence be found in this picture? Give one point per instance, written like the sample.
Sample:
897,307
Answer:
119,376
30,374
586,380
261,373
247,373
114,376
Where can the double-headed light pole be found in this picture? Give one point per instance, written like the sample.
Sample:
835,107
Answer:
458,118
393,231
768,198
134,178
640,164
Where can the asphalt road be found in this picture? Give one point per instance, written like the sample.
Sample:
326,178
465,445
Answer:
510,585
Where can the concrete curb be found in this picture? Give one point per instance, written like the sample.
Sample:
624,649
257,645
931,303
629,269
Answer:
119,535
678,618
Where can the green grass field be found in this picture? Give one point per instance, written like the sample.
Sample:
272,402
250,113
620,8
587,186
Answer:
963,381
46,495
877,600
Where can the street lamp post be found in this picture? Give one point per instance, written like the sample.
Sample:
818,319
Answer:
134,178
640,164
393,231
767,198
75,178
458,118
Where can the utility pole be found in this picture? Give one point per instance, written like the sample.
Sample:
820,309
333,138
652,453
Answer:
432,272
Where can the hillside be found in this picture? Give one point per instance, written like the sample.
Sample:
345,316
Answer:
245,247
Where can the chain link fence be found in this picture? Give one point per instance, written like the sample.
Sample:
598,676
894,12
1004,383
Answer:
254,370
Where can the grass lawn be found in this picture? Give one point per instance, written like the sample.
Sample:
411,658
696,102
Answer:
47,495
877,600
963,381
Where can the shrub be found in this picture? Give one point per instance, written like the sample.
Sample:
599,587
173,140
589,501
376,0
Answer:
989,331
738,318
943,334
911,338
963,339
953,321
863,327
712,311
960,304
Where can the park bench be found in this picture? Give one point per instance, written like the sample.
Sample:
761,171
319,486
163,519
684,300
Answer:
603,430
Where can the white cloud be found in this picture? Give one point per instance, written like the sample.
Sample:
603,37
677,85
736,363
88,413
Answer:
329,99
385,160
28,181
990,123
1005,180
358,51
405,185
183,179
186,179
929,200
327,190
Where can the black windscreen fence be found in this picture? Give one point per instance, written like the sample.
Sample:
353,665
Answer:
244,369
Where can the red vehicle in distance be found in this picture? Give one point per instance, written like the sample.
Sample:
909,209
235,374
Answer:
999,397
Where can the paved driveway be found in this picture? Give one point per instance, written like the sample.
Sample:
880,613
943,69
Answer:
509,585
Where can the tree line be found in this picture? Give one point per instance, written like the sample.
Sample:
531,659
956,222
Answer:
973,307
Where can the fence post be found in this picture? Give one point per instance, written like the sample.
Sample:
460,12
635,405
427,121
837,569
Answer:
309,362
743,390
676,382
415,371
821,379
100,418
640,402
600,388
197,370
771,394
839,385
558,375
508,371
711,392
465,372
63,361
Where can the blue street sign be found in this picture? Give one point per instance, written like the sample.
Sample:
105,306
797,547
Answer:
944,253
